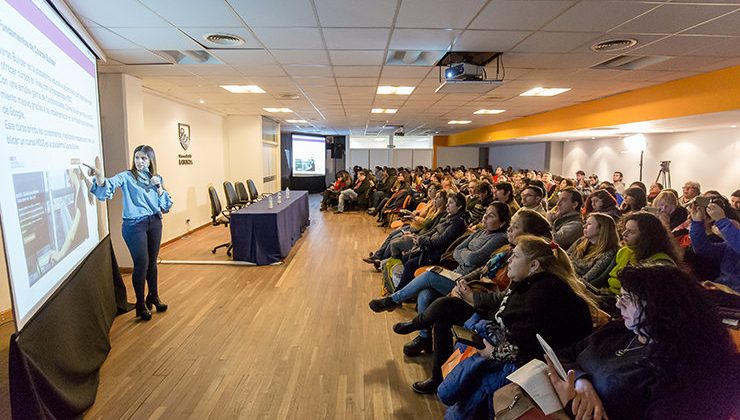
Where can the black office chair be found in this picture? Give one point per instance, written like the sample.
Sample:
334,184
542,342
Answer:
219,217
232,200
254,195
242,193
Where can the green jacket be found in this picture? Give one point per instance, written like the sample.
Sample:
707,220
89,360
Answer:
625,257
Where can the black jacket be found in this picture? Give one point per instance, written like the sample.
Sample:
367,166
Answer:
435,241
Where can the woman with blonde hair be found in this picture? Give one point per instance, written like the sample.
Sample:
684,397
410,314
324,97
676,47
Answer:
545,298
593,254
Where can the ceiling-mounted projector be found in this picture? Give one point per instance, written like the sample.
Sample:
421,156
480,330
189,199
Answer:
464,71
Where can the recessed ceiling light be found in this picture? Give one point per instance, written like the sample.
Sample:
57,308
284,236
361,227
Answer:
384,111
278,109
243,88
459,122
296,121
540,91
733,126
395,90
489,111
201,101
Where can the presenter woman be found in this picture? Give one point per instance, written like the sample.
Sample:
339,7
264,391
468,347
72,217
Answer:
144,201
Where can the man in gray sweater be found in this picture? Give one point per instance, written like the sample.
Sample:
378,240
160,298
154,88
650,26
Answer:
567,223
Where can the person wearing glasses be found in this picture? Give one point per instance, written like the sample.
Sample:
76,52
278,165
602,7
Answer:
531,197
668,357
690,190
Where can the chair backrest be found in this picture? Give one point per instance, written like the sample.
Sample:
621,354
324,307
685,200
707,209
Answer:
253,194
215,205
241,192
232,201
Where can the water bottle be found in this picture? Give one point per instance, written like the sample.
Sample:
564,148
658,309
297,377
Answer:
280,197
269,202
287,192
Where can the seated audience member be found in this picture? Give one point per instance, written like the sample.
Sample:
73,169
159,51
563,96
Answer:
634,200
567,224
429,247
646,240
655,189
609,187
505,194
602,201
545,298
582,184
640,185
401,239
498,176
532,199
690,191
382,189
593,181
358,190
669,357
472,253
552,199
401,191
477,204
595,251
340,183
617,180
455,310
724,254
669,212
735,200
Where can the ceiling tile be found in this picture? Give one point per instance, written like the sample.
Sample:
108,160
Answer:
123,13
269,70
727,48
158,38
555,42
109,40
357,57
597,16
678,45
405,71
194,12
357,71
494,41
356,13
138,56
243,57
310,57
290,38
422,39
295,70
439,14
672,18
281,13
554,61
199,35
519,15
352,39
357,81
726,25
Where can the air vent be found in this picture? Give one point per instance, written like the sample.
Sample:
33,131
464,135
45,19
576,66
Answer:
224,39
611,45
412,58
630,62
189,56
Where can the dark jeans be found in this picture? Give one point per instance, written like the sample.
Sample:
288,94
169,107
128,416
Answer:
441,315
329,196
143,237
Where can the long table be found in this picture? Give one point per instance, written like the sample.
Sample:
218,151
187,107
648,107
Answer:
264,235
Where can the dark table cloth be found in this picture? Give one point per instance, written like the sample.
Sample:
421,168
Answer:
263,235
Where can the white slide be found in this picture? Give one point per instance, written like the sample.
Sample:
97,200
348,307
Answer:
50,126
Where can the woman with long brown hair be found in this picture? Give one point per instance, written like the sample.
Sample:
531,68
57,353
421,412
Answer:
594,252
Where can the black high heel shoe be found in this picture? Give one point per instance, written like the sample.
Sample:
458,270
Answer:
154,301
142,312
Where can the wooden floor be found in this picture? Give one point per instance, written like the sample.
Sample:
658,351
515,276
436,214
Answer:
293,341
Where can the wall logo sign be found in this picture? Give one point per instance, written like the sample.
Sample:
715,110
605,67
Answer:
183,132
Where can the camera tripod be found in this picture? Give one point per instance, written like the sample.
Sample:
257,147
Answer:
664,175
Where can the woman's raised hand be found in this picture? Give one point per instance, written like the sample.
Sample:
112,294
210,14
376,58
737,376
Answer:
96,171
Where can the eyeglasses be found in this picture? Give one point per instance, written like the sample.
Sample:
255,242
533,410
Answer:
624,298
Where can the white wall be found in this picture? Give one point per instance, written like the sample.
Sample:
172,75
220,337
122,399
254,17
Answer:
518,156
188,184
456,156
243,136
708,157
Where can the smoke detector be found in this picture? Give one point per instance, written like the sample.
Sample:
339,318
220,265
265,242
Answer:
224,39
614,45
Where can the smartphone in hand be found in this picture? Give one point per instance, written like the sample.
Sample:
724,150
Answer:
468,337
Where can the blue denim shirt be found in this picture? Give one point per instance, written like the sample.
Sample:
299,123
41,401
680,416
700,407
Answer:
140,198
